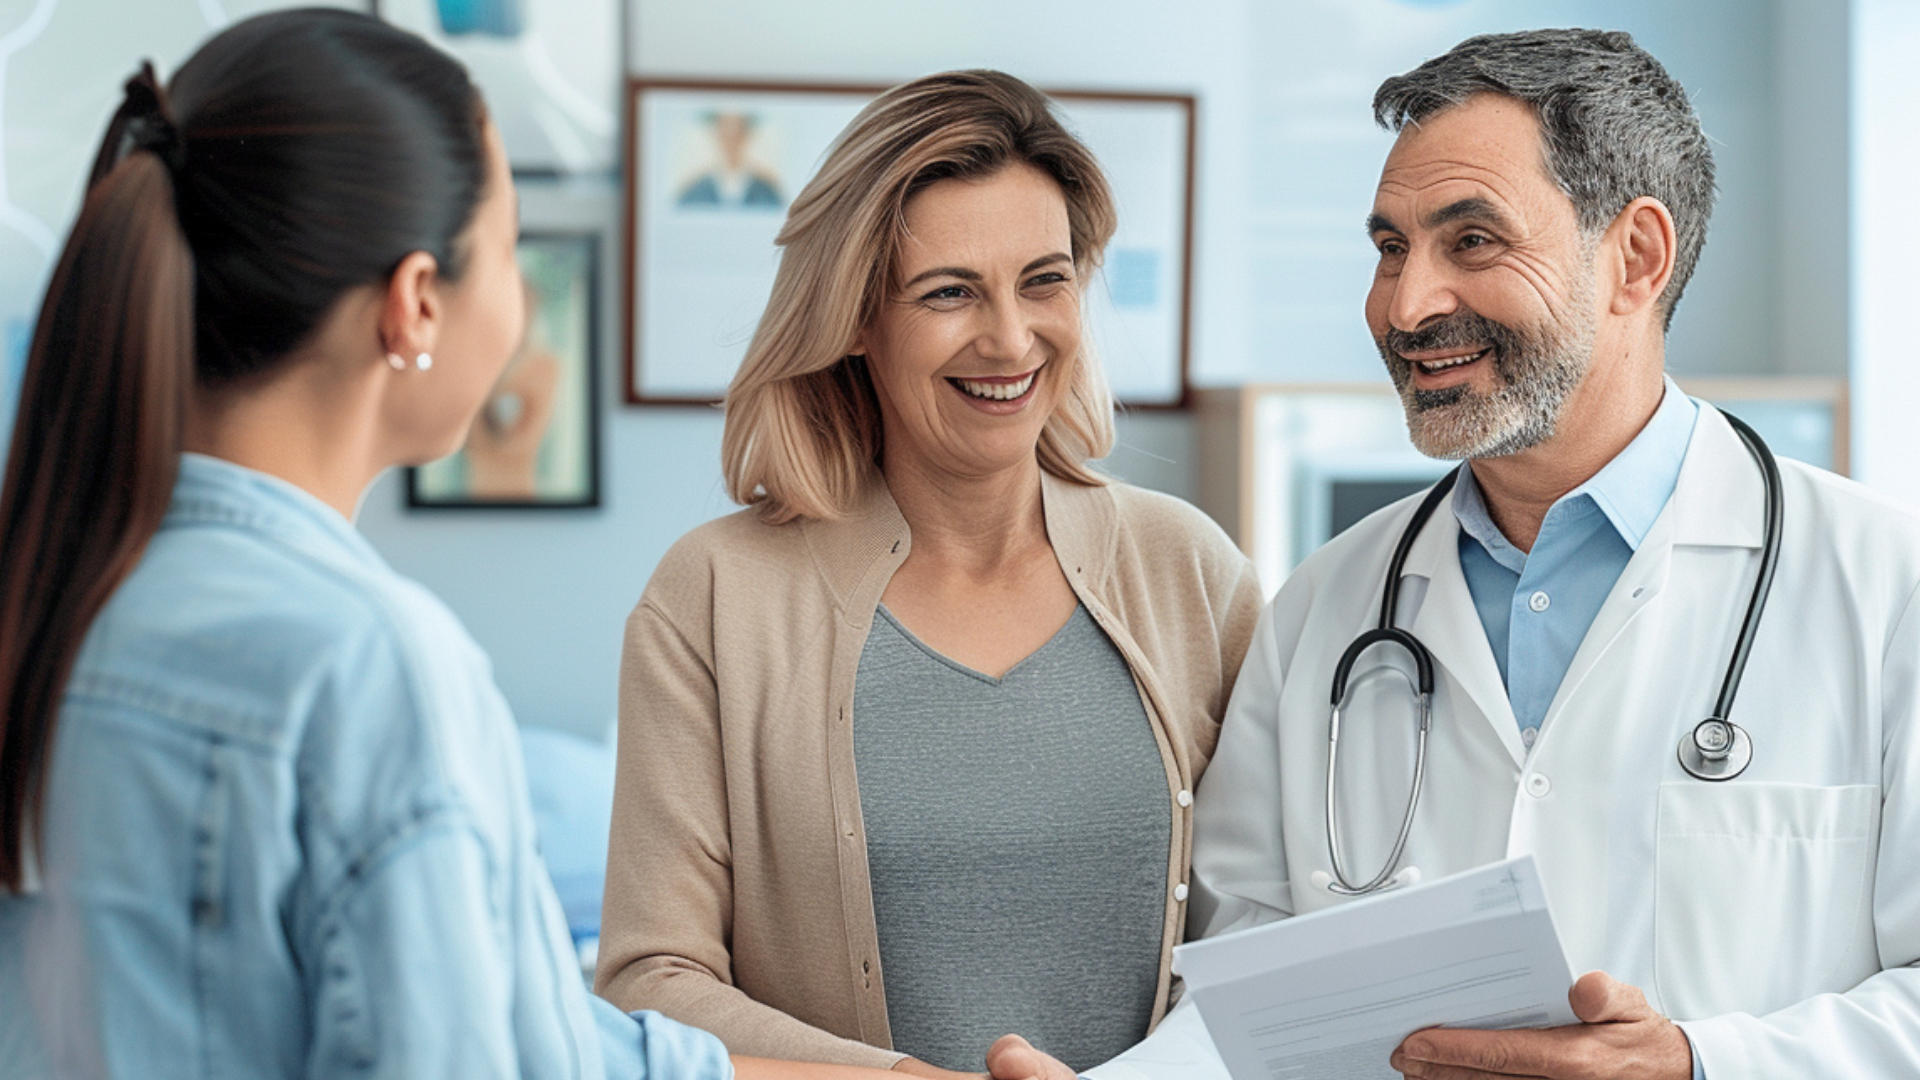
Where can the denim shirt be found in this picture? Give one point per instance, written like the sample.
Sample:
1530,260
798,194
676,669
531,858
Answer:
287,833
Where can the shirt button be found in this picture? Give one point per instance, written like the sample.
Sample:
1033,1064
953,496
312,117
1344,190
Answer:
1539,601
1538,786
1185,798
1180,891
1527,735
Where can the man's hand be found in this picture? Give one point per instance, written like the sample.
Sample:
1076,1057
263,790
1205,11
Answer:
1619,1035
1014,1058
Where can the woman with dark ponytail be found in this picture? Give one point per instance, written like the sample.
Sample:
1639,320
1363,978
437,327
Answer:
261,808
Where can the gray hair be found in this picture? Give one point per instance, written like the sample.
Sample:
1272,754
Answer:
1614,124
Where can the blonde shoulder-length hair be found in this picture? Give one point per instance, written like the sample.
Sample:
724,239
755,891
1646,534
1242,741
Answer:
802,435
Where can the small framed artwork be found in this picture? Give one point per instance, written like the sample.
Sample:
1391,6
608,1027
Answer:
550,70
713,166
535,443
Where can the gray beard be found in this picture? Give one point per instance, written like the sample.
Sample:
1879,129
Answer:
1538,369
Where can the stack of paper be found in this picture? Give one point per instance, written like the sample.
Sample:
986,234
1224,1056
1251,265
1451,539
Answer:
1329,995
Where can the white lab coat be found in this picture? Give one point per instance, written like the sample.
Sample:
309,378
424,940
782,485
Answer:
1777,915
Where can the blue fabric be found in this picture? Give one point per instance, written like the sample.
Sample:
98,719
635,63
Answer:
1537,606
570,780
288,834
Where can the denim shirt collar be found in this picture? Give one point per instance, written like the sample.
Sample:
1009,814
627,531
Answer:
1630,491
212,490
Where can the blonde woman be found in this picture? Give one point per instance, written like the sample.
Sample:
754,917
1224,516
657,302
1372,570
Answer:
907,746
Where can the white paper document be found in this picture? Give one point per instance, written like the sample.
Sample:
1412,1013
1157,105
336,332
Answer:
1328,995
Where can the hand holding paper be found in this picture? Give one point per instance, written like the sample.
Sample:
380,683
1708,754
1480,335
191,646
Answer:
1331,994
1620,1035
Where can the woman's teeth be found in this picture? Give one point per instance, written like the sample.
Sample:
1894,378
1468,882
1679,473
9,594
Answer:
1433,367
995,391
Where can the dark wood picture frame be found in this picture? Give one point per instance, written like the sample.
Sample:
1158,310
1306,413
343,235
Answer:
579,387
1180,293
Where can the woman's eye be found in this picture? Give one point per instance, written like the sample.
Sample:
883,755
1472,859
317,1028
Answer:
946,293
1041,281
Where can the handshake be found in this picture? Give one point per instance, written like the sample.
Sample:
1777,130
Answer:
1009,1058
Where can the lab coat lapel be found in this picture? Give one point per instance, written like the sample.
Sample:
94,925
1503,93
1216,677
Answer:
1718,501
1449,625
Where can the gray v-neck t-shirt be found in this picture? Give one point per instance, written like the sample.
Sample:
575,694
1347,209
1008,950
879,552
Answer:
1017,836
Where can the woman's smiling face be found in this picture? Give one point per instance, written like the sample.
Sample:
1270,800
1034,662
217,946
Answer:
975,343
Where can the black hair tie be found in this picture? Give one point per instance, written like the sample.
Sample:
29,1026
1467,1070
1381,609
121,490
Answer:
143,122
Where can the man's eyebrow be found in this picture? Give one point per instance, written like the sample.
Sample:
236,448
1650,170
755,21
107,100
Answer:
1378,223
942,271
1467,209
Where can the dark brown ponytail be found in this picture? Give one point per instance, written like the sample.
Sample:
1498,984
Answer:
95,448
311,151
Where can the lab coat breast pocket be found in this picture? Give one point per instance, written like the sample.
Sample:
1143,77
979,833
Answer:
1762,895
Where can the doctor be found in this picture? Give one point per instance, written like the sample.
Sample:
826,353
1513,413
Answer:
1581,590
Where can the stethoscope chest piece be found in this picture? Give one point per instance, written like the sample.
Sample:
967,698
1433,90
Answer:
1716,749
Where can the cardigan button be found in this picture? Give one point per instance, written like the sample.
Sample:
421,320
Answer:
1180,892
1184,798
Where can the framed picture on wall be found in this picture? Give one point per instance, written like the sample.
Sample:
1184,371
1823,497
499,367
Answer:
713,166
550,69
535,443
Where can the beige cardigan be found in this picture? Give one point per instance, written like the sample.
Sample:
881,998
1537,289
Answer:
737,892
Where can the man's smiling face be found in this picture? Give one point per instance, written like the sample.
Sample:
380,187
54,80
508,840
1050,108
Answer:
1483,299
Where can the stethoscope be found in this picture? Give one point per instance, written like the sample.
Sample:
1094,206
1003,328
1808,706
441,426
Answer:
1717,748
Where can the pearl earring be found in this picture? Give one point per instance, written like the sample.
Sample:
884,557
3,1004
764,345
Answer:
423,362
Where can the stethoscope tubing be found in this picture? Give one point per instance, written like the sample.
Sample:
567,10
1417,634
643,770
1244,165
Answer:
1385,632
1769,562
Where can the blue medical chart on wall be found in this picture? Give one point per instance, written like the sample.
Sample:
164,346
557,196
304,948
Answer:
494,18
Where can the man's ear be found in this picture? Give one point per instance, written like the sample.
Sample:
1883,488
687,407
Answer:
1640,247
411,314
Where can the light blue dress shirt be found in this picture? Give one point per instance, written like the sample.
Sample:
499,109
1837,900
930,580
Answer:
1536,606
288,835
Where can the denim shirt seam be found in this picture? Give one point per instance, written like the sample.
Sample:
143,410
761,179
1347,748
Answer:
355,851
204,719
381,848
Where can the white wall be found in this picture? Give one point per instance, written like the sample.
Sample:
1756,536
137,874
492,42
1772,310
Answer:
62,66
1885,236
1810,218
1317,154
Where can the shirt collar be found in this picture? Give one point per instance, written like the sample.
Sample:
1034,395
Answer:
1634,487
1630,490
212,490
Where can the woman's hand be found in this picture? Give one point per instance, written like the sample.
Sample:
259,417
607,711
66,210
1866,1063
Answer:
1014,1058
1009,1058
